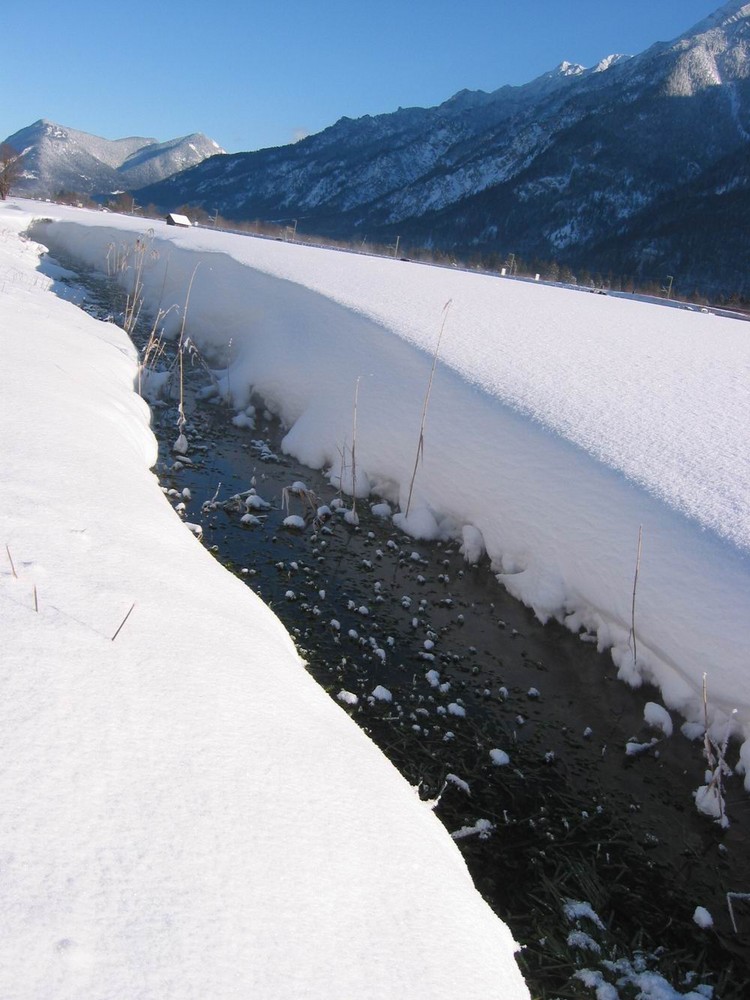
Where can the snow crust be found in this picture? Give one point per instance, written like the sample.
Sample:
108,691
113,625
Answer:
185,813
559,423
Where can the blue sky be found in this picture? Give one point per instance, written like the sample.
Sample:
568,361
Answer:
253,74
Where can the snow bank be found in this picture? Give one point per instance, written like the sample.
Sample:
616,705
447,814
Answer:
185,813
559,424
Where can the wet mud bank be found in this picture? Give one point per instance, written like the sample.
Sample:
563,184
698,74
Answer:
518,730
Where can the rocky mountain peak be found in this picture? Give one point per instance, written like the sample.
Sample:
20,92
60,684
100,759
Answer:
57,157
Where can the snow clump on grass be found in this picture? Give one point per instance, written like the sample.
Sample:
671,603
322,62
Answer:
454,779
709,800
482,828
658,717
382,693
579,910
420,523
703,918
472,547
294,522
255,502
348,697
245,418
180,447
584,942
633,747
593,979
693,730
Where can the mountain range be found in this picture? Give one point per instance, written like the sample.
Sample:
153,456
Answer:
638,165
57,158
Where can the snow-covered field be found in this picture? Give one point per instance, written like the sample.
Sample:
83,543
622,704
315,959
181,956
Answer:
185,813
559,425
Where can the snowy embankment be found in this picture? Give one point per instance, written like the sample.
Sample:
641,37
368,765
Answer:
559,425
185,813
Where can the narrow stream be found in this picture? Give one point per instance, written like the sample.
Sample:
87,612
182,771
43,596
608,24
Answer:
522,726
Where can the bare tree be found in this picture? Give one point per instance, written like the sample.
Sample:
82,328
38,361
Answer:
10,169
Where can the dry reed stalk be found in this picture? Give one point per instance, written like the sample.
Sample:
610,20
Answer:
155,346
182,421
635,586
123,622
342,467
10,559
354,446
715,754
730,897
134,298
420,442
229,362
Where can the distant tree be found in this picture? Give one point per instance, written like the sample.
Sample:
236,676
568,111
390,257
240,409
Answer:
122,202
195,213
65,197
152,212
552,271
10,169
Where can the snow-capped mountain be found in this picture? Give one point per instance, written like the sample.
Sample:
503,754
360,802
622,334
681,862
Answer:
59,158
585,166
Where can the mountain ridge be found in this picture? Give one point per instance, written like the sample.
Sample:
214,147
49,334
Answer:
56,157
573,166
563,167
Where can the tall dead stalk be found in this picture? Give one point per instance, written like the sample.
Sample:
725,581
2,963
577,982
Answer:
119,627
420,442
635,587
10,560
155,346
354,446
134,299
715,754
182,421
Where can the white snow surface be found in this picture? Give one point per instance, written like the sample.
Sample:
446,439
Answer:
185,813
558,424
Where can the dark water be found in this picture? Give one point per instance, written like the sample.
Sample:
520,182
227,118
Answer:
573,817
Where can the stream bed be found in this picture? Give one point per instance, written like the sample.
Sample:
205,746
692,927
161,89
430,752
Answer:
518,729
